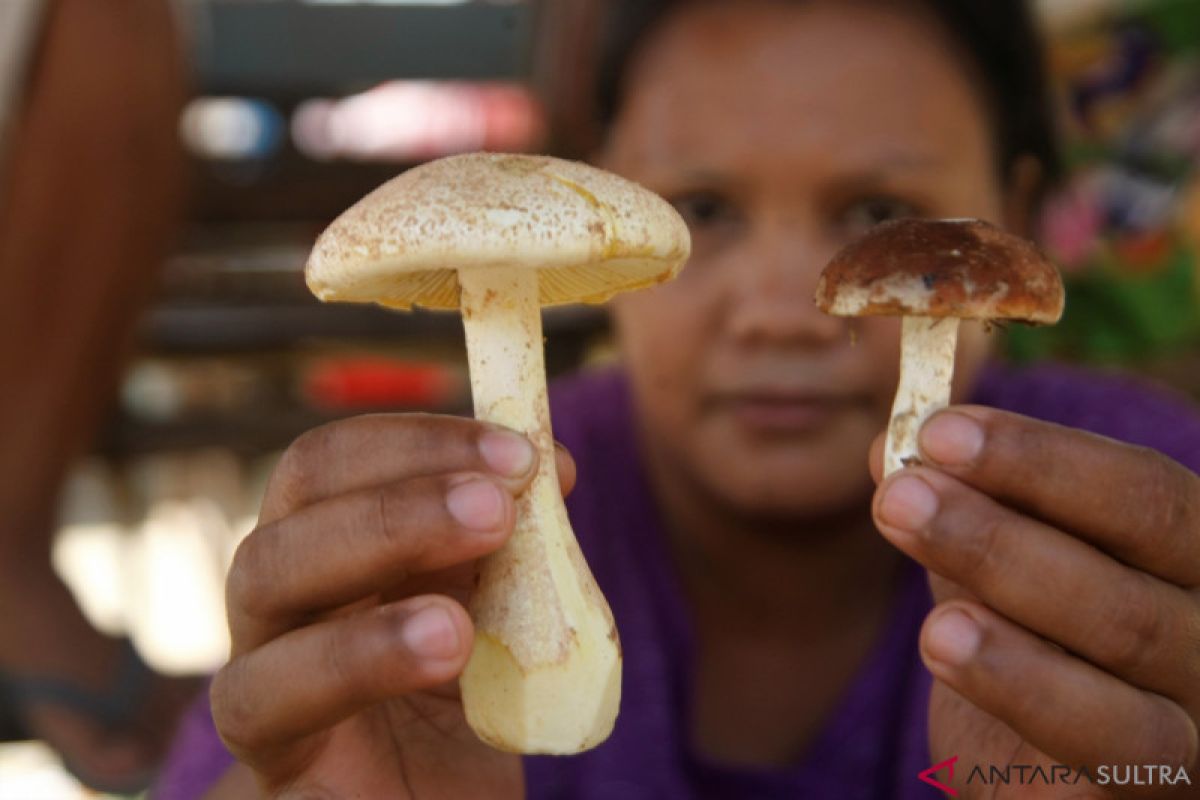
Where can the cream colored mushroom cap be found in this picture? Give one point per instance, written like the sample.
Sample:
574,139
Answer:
591,233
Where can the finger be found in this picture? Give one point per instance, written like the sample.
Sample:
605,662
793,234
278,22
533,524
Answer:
875,457
943,589
311,678
940,587
565,464
1132,502
1064,707
1141,629
359,544
367,451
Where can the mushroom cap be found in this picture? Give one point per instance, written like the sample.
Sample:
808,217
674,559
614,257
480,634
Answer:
592,233
967,269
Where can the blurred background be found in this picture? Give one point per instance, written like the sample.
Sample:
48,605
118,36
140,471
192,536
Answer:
296,108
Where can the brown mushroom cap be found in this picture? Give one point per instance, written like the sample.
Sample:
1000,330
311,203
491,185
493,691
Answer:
591,234
967,269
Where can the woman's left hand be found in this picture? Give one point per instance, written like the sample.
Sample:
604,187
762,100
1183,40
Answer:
1066,629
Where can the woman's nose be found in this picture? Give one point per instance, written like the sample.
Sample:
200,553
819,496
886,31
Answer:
773,297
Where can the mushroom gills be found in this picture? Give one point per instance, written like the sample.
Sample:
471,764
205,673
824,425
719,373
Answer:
927,347
545,672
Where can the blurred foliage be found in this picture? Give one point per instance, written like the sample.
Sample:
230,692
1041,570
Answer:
1126,226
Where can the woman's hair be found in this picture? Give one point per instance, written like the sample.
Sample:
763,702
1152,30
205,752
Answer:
999,36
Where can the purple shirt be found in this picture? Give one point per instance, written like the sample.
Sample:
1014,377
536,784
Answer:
874,742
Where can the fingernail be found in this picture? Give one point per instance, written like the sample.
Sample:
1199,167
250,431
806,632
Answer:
953,639
952,439
430,633
506,453
476,504
908,504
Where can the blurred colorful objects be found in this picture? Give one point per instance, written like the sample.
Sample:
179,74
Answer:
1126,227
350,384
232,128
416,120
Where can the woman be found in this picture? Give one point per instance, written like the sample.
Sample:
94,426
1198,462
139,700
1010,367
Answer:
776,645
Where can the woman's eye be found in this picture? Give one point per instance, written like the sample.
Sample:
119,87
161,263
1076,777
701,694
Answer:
704,209
862,215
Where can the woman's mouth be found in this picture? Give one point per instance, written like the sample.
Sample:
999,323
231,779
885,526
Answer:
785,413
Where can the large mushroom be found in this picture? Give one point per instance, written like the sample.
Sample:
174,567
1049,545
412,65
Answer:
500,236
934,273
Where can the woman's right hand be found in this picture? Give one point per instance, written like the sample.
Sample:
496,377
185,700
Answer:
346,609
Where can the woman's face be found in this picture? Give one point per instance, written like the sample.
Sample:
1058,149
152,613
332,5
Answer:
781,131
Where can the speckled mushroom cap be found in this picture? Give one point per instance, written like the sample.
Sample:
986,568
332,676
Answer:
592,233
942,268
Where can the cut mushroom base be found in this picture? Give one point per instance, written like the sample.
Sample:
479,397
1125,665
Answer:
497,235
927,346
545,672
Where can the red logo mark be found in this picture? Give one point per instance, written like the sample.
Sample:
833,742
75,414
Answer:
927,775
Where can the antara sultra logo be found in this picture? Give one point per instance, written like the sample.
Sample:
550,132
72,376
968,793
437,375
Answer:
1055,774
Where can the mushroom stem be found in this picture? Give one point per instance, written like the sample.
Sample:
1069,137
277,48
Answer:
545,672
926,369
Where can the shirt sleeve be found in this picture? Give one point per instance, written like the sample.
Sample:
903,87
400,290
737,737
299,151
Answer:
197,758
1120,406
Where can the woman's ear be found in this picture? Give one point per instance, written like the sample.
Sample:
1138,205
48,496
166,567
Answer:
1022,195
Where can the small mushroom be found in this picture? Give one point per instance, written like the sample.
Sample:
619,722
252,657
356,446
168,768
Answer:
500,236
934,273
